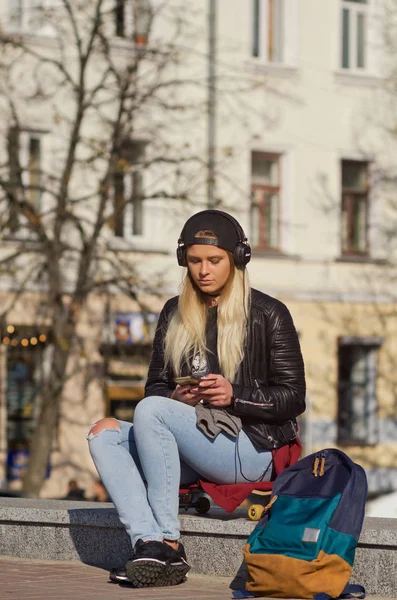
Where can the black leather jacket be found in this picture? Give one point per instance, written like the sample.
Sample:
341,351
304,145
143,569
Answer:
269,387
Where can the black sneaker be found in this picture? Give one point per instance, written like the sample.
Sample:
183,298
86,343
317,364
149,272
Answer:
118,575
156,564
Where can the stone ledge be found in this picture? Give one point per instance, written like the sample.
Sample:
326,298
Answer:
92,533
103,514
376,531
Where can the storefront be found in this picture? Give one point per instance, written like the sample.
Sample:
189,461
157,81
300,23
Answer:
23,357
121,363
127,356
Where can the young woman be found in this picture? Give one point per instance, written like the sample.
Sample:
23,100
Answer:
241,345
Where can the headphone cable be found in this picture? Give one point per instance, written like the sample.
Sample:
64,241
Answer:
260,478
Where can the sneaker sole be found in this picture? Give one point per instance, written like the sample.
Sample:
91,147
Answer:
117,579
155,573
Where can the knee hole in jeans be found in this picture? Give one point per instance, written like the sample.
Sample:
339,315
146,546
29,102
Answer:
102,424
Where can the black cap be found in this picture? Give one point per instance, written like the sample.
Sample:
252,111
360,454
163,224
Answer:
227,230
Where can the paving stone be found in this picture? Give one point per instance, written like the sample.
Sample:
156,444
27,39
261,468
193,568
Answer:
29,579
22,579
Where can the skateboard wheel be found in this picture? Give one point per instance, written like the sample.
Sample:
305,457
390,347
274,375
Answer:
202,505
255,512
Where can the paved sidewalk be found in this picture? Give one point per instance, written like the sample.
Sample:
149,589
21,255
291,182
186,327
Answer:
22,579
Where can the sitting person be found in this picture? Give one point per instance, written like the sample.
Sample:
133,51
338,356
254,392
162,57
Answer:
242,348
100,492
74,491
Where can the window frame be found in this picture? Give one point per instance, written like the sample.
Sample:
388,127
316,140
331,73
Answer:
136,205
27,23
345,435
350,197
23,418
132,21
34,171
123,19
16,19
20,171
354,9
119,203
266,190
262,46
128,215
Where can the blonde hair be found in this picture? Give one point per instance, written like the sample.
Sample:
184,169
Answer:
185,335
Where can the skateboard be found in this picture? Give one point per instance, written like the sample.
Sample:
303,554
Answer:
196,498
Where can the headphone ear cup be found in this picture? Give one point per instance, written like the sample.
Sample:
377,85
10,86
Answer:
181,256
247,253
242,251
242,254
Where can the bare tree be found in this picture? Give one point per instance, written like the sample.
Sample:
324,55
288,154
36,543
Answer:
97,92
116,84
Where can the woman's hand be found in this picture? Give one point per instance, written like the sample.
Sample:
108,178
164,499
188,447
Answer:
214,389
182,393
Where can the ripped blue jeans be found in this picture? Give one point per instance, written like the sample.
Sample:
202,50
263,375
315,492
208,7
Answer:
164,448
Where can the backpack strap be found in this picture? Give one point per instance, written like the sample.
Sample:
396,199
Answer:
350,591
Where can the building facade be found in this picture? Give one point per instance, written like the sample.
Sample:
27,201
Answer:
296,140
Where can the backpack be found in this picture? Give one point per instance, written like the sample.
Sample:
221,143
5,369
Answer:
305,542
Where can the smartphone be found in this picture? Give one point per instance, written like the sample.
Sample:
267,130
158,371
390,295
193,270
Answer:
191,379
188,380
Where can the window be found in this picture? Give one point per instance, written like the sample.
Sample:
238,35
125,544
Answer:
129,338
128,190
132,19
134,327
357,375
128,204
25,170
15,14
34,171
355,208
265,207
119,203
14,176
268,30
123,18
26,15
137,203
26,352
354,34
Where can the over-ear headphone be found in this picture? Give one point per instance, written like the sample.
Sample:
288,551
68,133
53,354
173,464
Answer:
241,252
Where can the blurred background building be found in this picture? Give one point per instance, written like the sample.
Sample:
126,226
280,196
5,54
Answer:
297,140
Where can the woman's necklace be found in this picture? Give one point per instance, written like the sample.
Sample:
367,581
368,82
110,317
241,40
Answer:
213,301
